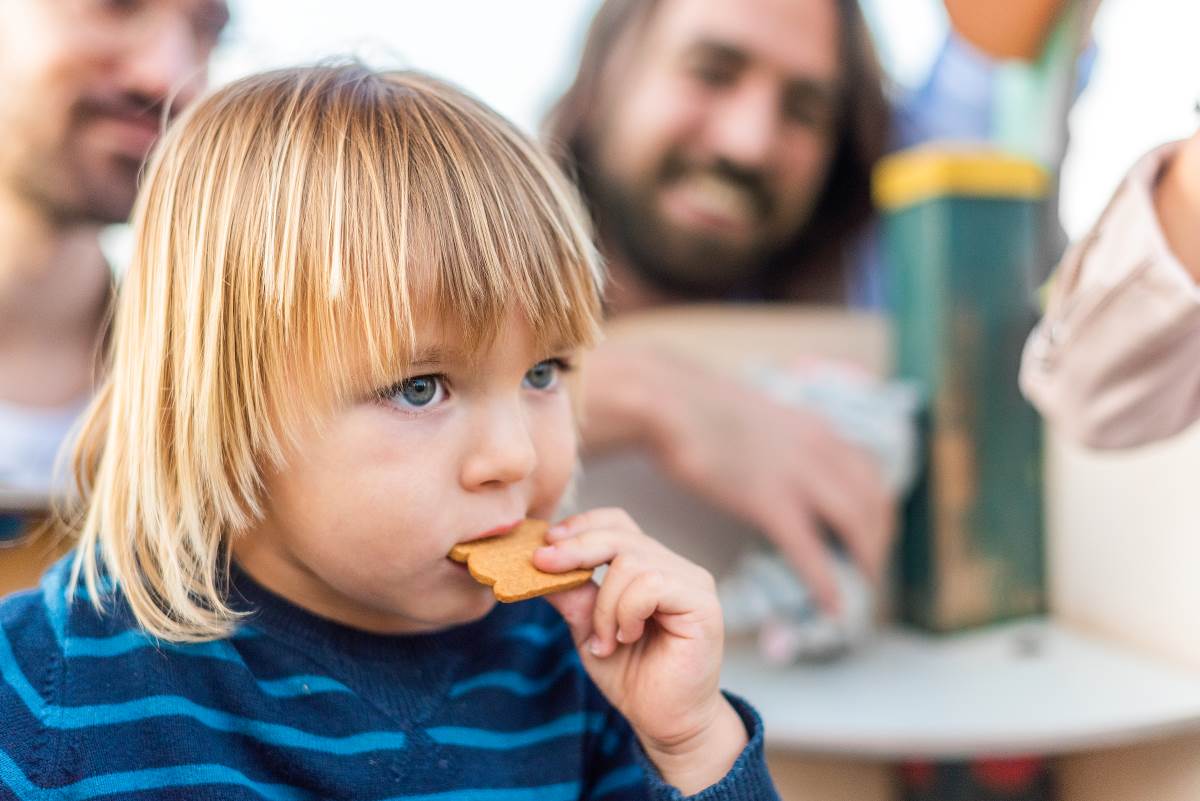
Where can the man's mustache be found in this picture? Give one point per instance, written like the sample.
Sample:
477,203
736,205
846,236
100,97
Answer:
750,181
127,106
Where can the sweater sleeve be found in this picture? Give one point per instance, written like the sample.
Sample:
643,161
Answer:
622,772
1115,361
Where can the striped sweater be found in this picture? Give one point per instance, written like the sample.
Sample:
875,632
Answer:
294,706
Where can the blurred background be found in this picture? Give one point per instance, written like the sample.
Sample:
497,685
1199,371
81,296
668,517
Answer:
1139,44
1035,638
519,56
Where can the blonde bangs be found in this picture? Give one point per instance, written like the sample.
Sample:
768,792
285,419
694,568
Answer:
488,225
292,230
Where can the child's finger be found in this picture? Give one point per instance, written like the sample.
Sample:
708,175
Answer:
681,608
606,517
590,549
604,614
576,605
637,603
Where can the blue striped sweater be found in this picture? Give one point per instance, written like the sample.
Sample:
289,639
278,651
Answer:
294,706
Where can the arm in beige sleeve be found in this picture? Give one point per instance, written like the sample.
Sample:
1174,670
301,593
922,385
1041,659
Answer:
1115,362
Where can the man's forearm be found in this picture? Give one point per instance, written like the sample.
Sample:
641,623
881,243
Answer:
624,397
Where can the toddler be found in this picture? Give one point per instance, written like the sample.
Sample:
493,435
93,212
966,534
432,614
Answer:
348,341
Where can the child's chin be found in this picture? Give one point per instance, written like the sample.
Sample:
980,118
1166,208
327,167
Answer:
474,606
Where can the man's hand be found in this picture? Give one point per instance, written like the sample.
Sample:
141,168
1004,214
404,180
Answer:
778,468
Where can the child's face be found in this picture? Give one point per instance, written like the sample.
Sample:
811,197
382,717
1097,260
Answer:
359,522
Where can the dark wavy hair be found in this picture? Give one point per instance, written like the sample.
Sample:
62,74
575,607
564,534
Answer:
814,265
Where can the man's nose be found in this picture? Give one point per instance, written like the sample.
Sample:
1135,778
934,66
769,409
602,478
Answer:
744,127
167,62
501,450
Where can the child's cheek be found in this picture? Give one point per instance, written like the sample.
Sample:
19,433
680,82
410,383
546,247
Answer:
557,446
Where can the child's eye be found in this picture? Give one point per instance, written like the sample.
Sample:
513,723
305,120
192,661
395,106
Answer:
544,375
418,392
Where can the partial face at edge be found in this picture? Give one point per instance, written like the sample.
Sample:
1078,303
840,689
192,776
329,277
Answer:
85,86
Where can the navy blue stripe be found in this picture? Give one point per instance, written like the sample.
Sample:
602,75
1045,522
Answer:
75,717
619,779
208,774
567,791
139,780
518,683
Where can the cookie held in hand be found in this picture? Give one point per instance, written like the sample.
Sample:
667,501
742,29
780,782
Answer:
505,563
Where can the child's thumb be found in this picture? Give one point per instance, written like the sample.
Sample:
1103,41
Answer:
576,606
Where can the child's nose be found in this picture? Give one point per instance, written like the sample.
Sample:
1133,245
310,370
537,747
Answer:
501,452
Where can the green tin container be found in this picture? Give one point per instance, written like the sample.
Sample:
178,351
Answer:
960,236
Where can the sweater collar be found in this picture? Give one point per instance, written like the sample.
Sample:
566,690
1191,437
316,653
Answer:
276,615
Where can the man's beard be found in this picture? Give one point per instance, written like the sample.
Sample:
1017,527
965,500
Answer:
74,185
72,195
685,263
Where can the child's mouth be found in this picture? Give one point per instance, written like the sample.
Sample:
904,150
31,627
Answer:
493,532
496,531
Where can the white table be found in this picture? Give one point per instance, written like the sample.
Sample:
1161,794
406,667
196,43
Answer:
1031,687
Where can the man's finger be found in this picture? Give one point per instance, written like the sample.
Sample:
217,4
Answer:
794,531
846,507
849,494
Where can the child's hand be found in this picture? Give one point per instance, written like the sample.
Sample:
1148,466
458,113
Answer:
651,638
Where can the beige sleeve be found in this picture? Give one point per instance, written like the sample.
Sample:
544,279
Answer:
1115,361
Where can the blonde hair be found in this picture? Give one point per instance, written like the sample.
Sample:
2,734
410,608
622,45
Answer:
289,227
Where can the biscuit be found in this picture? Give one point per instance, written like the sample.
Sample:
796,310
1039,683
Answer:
505,562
